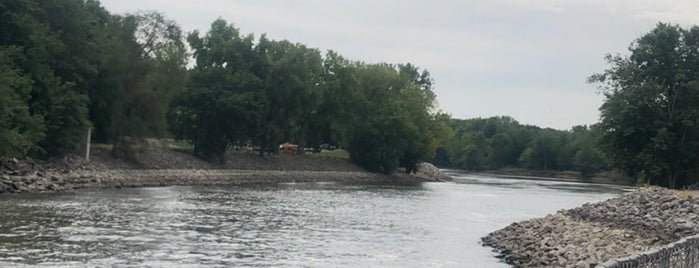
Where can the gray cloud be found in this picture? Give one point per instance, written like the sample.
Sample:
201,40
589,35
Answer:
525,58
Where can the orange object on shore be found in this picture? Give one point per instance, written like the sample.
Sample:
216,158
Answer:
288,147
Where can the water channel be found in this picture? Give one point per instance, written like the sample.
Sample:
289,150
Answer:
278,225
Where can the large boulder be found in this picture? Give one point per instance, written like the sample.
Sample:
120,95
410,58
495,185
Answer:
431,172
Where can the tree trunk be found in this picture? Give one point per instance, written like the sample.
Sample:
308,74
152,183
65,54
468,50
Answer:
672,180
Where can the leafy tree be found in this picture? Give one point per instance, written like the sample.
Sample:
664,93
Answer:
542,151
587,158
650,118
69,65
332,120
20,132
376,140
499,155
55,61
489,143
142,70
223,101
470,151
395,127
291,89
501,142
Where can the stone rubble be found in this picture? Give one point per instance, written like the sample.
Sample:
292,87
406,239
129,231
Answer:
167,167
49,181
598,232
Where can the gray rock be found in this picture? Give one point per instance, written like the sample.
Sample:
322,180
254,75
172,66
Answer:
598,232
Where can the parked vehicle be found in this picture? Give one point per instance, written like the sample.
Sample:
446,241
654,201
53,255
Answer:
288,147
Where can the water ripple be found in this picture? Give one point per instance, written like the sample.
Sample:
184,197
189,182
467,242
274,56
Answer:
296,224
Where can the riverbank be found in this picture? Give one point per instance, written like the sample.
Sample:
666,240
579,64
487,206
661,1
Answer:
166,167
595,233
572,176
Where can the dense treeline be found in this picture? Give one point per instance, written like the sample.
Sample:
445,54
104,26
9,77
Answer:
502,142
264,92
649,125
69,65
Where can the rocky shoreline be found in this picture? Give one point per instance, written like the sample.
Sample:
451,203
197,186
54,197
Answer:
594,233
53,182
169,168
573,176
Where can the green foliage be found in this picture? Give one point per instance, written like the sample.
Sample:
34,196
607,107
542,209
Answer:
267,92
224,100
65,114
649,120
542,151
142,70
291,91
69,65
501,142
20,132
331,121
470,151
54,40
393,127
84,67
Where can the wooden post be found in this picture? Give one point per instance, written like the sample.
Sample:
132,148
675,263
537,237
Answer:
88,136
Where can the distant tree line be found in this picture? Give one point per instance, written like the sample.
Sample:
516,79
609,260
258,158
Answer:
70,65
649,125
502,142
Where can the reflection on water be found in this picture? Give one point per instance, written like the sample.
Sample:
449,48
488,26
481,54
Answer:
297,224
546,184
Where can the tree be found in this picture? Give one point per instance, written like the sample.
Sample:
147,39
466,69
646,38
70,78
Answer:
268,92
394,127
142,69
55,39
20,131
650,120
587,158
470,151
291,90
223,101
332,119
542,151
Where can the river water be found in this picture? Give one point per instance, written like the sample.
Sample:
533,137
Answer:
282,225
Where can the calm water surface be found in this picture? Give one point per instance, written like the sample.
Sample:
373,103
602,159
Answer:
284,225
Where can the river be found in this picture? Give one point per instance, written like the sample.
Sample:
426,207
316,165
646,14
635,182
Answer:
281,225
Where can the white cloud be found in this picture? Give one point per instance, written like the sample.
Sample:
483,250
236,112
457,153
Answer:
675,11
556,6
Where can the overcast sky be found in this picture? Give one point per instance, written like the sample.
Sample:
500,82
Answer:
528,59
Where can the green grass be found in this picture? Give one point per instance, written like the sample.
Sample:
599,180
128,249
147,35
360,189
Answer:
339,153
179,145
